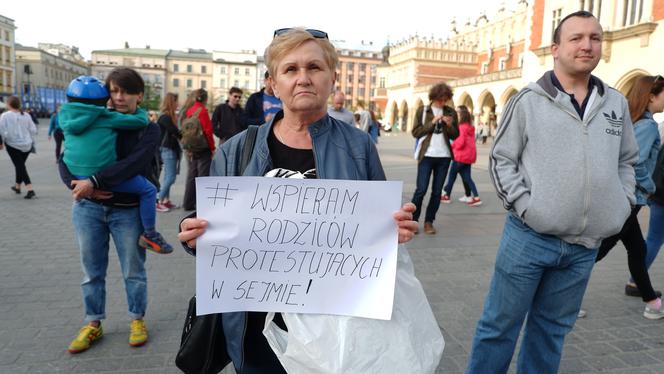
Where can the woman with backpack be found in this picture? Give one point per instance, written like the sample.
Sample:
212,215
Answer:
198,143
170,150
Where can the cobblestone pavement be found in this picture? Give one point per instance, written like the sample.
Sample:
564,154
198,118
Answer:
41,308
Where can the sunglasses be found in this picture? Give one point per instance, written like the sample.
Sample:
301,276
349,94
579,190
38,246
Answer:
315,33
657,78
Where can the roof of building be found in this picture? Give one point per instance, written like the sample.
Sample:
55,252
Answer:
363,45
134,51
198,54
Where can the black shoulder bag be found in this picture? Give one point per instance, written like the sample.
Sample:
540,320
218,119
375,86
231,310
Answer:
203,343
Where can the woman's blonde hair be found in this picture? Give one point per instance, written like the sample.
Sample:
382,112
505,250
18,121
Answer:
290,40
169,105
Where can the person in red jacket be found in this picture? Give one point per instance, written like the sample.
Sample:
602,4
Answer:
465,154
198,163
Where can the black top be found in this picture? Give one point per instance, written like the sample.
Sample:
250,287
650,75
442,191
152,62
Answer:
170,134
227,121
291,160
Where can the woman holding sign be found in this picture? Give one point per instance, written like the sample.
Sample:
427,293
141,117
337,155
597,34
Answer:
301,141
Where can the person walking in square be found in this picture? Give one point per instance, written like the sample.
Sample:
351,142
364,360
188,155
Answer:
563,165
17,134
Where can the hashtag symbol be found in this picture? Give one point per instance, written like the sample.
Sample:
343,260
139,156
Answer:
221,193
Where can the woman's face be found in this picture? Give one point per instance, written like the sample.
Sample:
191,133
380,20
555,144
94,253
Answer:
302,80
123,101
657,103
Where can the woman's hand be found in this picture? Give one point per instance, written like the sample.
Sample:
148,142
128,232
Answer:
405,223
190,229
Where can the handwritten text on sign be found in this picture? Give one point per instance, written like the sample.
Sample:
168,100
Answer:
294,245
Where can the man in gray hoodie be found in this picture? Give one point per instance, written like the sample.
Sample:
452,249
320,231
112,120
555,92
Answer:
562,163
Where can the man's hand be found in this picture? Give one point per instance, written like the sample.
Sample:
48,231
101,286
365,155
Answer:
82,189
190,229
405,223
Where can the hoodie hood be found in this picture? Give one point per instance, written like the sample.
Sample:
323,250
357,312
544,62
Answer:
77,117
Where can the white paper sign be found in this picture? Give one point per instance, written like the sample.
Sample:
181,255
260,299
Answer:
297,245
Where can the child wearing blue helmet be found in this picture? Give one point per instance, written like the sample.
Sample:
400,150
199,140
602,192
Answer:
90,135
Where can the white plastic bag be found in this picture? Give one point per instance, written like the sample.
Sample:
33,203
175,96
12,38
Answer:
411,342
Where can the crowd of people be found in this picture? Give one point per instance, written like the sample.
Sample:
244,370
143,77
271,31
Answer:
114,158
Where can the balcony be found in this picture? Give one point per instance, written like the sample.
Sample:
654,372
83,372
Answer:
487,78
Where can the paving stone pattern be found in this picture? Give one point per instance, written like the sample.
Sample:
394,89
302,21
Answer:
41,308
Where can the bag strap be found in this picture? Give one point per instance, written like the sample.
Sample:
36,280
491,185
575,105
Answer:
248,147
424,113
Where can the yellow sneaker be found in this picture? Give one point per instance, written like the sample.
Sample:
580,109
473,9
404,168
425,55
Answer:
86,336
138,333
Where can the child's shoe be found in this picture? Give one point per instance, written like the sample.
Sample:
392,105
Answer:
155,242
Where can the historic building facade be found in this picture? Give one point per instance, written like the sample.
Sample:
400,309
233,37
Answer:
513,47
235,69
7,57
187,71
357,73
42,78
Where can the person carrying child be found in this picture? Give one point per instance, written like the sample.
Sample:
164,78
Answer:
90,131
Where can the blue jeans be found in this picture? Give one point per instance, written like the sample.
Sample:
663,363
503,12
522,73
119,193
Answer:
655,238
464,170
438,166
94,224
538,275
147,194
170,159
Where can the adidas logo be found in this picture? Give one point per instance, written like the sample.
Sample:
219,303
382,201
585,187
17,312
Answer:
613,119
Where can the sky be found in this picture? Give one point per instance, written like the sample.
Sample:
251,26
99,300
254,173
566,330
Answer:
229,26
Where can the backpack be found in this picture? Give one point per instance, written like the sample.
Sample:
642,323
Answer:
193,139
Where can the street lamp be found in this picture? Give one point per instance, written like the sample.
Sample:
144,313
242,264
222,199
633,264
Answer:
28,71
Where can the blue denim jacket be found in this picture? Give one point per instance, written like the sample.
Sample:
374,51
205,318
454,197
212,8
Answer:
340,151
647,137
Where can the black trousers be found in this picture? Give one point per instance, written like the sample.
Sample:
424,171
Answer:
58,136
199,166
632,238
18,159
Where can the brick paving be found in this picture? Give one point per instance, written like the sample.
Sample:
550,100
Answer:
41,308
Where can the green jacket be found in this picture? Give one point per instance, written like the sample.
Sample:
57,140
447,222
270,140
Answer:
90,135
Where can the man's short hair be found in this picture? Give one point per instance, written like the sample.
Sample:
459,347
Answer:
127,79
234,90
440,91
580,13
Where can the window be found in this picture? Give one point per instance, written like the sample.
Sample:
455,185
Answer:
350,78
360,92
203,70
222,70
189,83
190,68
236,71
502,63
176,82
222,83
632,11
363,67
555,20
350,66
236,83
485,68
246,71
176,67
360,79
382,82
203,84
349,90
521,60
